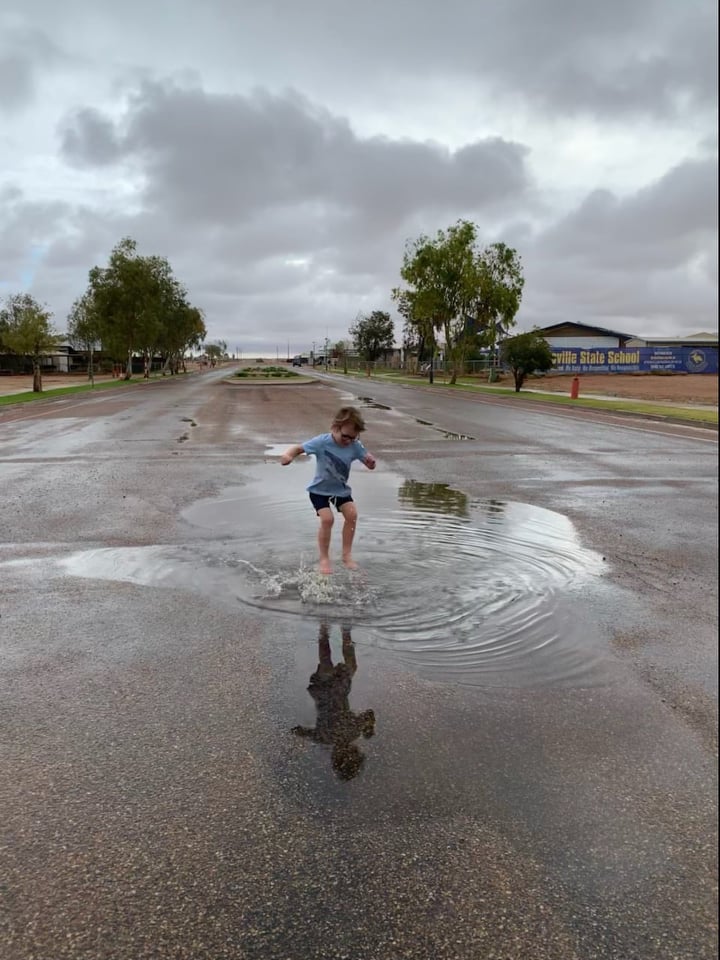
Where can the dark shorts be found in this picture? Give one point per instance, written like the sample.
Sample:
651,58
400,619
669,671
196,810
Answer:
319,501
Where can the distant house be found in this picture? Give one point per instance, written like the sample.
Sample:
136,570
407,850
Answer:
62,359
583,336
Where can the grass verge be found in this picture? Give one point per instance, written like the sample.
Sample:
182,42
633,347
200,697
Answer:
29,396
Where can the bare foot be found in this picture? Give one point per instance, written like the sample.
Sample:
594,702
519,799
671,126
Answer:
350,563
324,566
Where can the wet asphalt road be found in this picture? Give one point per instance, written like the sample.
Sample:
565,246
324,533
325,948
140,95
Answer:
154,801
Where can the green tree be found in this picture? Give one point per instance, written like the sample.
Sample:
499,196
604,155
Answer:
84,329
418,330
163,298
215,351
184,330
373,336
340,350
136,297
499,293
28,332
456,288
525,354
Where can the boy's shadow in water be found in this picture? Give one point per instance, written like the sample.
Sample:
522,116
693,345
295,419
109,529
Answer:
336,725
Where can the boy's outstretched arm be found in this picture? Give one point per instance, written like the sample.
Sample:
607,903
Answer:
294,451
369,461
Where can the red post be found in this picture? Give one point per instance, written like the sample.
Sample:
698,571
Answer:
575,388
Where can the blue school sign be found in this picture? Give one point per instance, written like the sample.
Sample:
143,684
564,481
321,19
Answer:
636,359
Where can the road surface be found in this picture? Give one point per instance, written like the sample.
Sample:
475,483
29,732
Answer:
533,650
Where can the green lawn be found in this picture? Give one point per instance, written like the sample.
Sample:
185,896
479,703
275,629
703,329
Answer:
62,391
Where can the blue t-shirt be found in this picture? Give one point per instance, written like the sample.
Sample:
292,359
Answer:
332,467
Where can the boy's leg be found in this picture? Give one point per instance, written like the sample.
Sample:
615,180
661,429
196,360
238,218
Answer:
349,512
324,532
348,649
325,663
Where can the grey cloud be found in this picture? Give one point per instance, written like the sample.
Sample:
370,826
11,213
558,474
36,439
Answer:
87,138
213,157
647,57
602,58
16,82
617,59
25,225
664,223
25,54
646,262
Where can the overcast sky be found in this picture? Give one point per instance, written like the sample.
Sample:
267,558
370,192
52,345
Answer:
280,153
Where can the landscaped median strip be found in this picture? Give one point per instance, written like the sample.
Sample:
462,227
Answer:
264,375
616,405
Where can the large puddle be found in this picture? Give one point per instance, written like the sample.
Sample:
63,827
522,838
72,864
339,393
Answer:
482,592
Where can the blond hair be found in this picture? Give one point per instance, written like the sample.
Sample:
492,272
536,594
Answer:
349,415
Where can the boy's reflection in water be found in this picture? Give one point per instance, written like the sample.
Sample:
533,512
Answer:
336,725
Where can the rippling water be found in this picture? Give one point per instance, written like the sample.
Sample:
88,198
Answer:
483,592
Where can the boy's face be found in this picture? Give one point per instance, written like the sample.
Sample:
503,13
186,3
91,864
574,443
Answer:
345,434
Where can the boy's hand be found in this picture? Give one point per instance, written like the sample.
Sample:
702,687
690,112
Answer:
370,461
285,459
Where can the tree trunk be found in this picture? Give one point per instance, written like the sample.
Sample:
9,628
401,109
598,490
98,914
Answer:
146,365
37,377
128,368
91,368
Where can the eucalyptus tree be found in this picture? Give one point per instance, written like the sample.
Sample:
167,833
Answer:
184,330
163,296
499,294
216,351
341,350
418,331
457,289
131,295
28,332
373,336
84,328
142,308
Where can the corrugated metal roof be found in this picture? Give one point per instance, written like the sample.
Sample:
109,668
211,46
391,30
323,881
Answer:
591,328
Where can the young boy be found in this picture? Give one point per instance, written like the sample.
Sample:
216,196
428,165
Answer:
334,453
